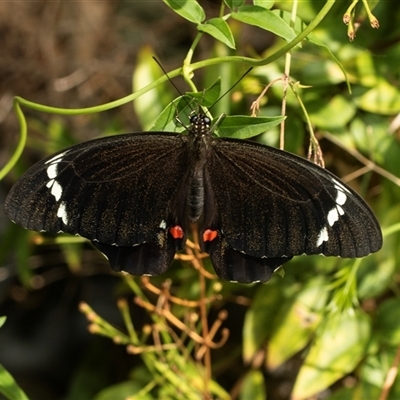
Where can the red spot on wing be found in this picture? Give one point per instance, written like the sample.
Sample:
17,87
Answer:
176,232
209,235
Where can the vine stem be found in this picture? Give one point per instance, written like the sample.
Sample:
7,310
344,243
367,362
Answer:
286,78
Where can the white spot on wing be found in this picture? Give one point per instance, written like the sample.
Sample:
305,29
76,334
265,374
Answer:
56,190
335,213
340,198
62,213
333,216
52,171
163,225
56,159
340,186
322,236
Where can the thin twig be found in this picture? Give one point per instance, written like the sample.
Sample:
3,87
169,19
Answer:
255,106
203,314
368,163
391,376
176,300
216,325
179,324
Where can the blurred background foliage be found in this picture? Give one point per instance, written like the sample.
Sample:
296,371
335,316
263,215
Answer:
329,329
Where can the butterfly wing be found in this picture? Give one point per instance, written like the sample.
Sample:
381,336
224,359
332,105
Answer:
128,195
102,190
274,205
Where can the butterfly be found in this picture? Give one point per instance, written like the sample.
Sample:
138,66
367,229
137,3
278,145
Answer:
136,196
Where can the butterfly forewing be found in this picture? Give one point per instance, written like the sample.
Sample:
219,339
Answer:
272,204
102,190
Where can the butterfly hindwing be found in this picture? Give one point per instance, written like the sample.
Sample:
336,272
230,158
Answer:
236,266
103,191
150,258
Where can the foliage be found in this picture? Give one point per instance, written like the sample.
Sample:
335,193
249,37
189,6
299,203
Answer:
338,318
8,386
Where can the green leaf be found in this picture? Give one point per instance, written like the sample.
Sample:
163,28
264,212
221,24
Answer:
234,3
244,127
297,25
344,394
149,105
239,126
383,98
264,3
2,321
260,317
188,9
363,66
218,29
265,19
8,386
304,312
167,120
73,254
123,391
331,114
375,145
373,374
253,386
336,72
373,281
209,96
183,106
186,377
387,322
336,352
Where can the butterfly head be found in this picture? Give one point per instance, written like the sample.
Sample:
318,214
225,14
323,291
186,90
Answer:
200,124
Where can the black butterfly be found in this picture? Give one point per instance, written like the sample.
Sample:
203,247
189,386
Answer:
134,196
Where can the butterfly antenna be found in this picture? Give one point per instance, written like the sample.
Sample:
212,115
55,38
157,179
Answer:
171,82
223,95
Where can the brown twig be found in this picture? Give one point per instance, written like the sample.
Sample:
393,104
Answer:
216,325
370,165
176,300
391,376
193,250
131,349
255,106
177,323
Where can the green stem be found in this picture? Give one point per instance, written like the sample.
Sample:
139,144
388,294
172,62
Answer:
124,309
372,19
187,71
22,141
391,229
286,79
351,7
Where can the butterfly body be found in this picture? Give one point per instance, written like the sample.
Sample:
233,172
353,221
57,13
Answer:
135,196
